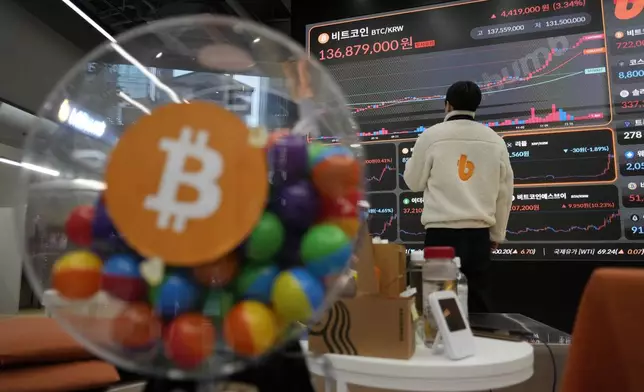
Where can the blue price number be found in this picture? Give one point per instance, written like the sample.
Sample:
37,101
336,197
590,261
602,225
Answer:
628,75
632,168
635,233
520,154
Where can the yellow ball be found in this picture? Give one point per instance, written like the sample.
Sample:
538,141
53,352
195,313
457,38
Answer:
77,275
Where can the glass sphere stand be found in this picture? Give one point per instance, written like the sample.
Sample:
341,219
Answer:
282,371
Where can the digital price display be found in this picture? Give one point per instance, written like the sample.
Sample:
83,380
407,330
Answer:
562,83
380,167
383,216
404,152
559,157
411,207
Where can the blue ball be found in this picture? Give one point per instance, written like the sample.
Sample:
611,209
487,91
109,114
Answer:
255,283
121,278
297,295
332,263
178,294
123,265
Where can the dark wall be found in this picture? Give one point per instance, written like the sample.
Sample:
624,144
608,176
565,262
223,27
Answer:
547,291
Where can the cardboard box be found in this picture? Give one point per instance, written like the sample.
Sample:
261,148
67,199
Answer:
371,324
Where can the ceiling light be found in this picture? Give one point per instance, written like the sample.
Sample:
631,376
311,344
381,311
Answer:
29,166
256,40
89,20
134,103
123,52
98,185
159,54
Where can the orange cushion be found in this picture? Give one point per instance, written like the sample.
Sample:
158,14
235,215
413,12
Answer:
607,352
36,339
59,377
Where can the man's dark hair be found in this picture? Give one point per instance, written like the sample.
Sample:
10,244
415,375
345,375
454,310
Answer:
464,95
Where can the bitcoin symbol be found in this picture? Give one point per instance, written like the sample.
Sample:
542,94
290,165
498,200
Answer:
465,168
198,187
628,9
165,201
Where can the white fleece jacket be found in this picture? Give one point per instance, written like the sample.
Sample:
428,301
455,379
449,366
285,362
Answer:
464,169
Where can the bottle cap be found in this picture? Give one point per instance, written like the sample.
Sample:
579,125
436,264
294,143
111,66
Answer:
457,261
417,257
439,252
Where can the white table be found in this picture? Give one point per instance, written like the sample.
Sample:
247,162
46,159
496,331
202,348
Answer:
497,364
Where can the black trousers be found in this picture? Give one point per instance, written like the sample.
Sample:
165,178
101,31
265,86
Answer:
473,246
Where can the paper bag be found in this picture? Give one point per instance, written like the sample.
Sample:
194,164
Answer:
370,324
391,259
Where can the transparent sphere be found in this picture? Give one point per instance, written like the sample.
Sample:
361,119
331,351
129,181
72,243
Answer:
193,195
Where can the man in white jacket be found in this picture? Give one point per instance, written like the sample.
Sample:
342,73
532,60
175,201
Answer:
464,169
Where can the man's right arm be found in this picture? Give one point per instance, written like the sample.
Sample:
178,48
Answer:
504,199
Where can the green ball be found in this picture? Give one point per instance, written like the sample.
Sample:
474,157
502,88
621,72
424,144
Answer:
256,283
314,149
321,241
266,239
218,303
153,291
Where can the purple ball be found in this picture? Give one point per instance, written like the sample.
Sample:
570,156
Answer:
297,205
288,159
102,227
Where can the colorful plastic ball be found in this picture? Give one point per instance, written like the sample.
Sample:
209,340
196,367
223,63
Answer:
189,340
336,175
77,275
288,159
274,136
102,226
255,283
296,295
345,206
136,327
218,303
314,151
250,328
325,249
121,278
78,226
266,239
219,273
297,204
350,226
176,295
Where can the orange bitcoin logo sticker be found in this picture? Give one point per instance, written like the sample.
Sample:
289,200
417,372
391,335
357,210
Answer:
185,185
628,9
465,168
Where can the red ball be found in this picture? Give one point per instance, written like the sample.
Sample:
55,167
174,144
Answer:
189,340
79,225
337,175
345,206
136,327
219,273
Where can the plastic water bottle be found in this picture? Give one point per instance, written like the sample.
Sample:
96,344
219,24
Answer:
461,287
439,273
